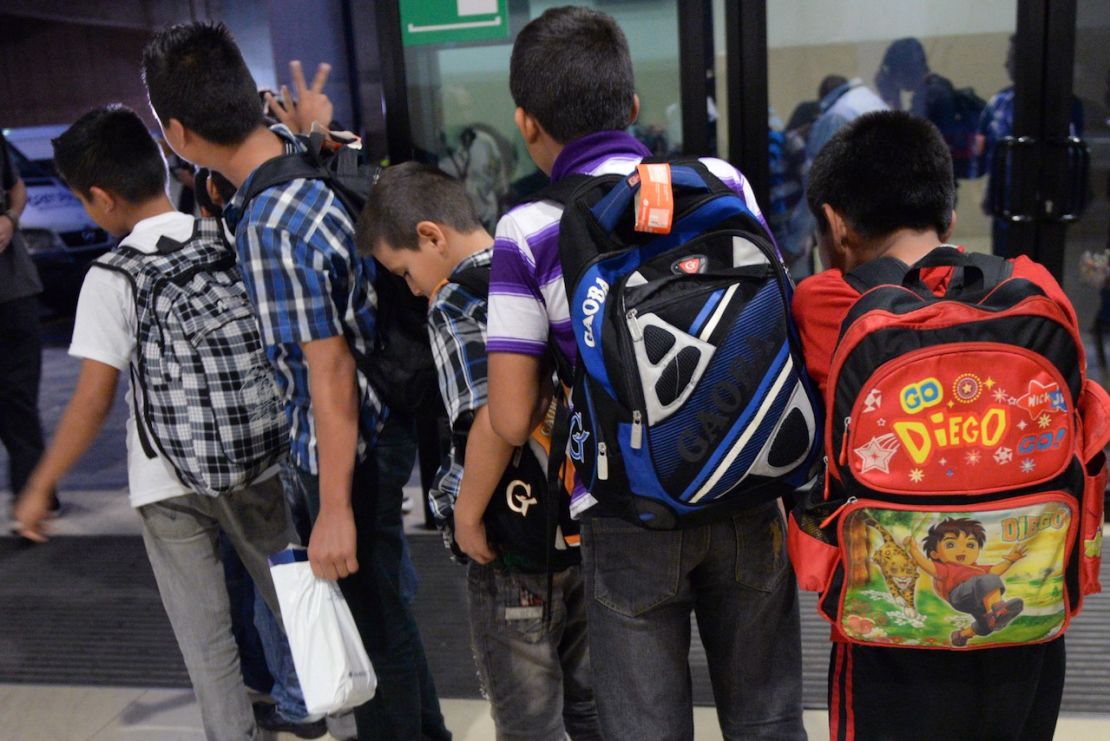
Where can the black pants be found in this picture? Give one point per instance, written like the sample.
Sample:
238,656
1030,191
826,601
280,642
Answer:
20,372
907,694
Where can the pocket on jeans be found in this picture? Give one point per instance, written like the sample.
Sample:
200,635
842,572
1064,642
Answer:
760,548
634,569
518,605
172,519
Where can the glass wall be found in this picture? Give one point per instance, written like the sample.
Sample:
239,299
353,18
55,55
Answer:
1090,236
462,113
949,49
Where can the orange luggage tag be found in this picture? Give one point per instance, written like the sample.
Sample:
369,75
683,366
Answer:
655,207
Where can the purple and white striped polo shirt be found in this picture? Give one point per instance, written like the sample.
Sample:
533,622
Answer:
527,299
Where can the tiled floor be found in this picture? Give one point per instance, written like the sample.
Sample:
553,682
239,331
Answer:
95,505
38,713
121,714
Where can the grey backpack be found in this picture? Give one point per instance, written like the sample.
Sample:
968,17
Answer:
208,395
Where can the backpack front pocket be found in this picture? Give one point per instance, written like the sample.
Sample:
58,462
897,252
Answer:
955,577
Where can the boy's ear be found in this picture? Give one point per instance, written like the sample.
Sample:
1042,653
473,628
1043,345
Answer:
177,136
431,235
951,228
635,112
104,200
528,126
838,239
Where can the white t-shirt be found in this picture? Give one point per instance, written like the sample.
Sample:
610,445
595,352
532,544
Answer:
105,330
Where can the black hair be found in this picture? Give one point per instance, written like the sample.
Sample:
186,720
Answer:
885,171
904,60
195,73
407,194
110,147
571,70
830,83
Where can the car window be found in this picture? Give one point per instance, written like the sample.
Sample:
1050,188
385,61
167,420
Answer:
27,168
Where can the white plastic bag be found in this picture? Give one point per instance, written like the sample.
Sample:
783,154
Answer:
331,662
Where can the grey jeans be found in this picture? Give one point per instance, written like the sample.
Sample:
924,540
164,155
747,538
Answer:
535,673
181,541
734,576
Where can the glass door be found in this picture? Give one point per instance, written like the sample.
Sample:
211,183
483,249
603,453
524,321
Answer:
1087,249
461,112
946,60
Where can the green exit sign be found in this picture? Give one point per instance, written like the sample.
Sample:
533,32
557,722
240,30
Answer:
448,21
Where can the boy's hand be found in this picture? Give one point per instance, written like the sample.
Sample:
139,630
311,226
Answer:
7,231
30,513
471,539
311,104
331,546
1017,552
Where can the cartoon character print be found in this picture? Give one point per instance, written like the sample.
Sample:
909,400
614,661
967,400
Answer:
898,569
949,553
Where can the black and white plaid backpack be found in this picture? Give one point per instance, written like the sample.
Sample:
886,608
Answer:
208,395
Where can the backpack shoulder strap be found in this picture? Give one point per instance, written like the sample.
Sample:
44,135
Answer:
281,170
882,272
475,280
559,191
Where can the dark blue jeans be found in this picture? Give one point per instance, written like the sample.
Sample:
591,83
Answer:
641,587
406,705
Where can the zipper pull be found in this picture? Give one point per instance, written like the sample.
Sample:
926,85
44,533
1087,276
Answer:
633,326
843,460
836,513
637,430
602,462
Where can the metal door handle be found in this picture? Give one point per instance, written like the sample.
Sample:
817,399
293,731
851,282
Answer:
1075,194
1001,182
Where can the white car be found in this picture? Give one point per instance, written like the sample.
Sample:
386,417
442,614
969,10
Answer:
61,238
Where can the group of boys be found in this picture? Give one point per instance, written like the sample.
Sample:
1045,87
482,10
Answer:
882,186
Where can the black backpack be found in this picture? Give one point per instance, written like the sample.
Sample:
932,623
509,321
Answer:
956,112
529,513
400,366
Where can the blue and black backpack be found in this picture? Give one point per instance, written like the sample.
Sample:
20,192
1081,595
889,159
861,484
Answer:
690,397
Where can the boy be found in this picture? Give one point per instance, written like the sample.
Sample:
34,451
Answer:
953,546
883,186
420,224
118,173
316,311
571,79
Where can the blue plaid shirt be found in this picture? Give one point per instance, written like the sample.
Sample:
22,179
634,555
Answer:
296,247
457,323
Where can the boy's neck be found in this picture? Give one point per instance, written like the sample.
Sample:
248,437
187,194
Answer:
240,160
133,214
908,245
466,245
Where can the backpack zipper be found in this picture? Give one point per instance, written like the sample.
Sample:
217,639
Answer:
602,462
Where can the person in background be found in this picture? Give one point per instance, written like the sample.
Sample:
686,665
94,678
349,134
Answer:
20,344
317,311
995,124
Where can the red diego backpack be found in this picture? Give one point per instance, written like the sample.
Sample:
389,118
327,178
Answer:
963,497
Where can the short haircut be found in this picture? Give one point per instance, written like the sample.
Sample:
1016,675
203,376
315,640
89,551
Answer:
110,148
195,73
885,171
953,526
571,70
830,83
905,60
407,194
